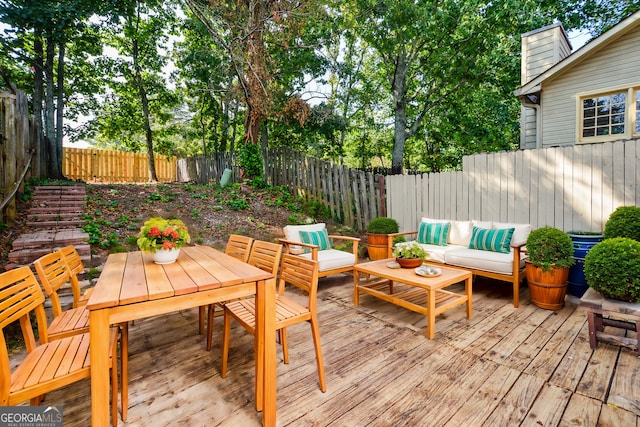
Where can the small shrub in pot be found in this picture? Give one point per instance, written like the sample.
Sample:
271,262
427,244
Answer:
612,267
623,222
383,225
549,246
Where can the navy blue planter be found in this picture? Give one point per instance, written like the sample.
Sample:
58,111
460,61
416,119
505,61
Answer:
582,243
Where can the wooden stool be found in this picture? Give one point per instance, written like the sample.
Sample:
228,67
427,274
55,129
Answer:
607,312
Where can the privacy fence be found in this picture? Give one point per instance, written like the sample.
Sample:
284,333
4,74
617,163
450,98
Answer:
17,146
573,188
114,166
351,195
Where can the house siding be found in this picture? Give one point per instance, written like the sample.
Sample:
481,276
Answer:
541,49
528,127
616,65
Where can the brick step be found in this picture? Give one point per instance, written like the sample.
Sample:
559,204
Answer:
61,209
62,237
57,224
61,188
39,198
27,256
60,216
49,204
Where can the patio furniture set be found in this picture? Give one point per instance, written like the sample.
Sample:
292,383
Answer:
241,284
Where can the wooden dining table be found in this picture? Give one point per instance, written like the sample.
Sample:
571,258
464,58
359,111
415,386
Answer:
131,286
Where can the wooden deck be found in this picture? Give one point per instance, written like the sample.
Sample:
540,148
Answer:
504,366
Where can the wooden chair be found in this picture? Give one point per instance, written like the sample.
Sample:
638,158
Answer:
47,366
296,271
239,247
54,272
75,265
264,255
331,261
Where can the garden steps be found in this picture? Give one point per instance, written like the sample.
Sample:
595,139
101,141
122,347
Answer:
55,215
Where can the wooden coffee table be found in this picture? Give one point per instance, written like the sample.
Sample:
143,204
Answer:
425,295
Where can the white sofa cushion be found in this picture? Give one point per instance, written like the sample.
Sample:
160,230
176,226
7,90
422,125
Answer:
330,259
520,233
494,262
459,231
292,232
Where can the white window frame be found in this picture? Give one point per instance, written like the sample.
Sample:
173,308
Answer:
630,119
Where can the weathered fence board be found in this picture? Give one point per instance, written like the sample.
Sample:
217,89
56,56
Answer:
574,188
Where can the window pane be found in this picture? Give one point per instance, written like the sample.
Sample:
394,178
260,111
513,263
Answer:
603,120
589,103
618,118
617,129
589,123
603,101
589,132
603,131
589,112
619,98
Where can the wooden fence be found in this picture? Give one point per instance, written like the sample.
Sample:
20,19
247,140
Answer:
114,166
16,141
573,188
352,196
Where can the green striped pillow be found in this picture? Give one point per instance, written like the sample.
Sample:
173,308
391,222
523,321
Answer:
496,240
433,233
318,238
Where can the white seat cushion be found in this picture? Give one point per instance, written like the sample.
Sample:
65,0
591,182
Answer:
331,259
494,262
436,252
292,232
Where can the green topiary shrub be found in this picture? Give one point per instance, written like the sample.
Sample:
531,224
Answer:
623,222
612,267
549,246
383,225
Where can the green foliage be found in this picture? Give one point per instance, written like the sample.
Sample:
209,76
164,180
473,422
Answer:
549,246
250,160
316,209
623,222
410,251
383,225
612,267
237,204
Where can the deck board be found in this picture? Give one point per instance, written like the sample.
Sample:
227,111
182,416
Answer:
504,366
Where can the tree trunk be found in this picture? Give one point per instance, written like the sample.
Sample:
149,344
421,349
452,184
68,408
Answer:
398,89
145,114
52,158
60,107
38,86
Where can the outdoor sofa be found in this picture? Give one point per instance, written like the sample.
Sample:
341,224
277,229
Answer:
487,249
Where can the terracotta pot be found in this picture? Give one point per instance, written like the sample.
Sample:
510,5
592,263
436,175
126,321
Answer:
409,262
377,246
166,256
547,288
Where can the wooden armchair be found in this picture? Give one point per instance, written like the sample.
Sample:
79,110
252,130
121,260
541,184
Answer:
294,270
239,247
264,255
54,272
47,366
312,242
